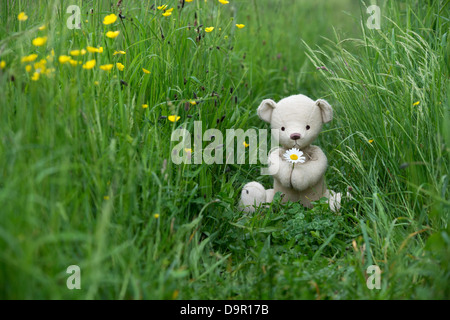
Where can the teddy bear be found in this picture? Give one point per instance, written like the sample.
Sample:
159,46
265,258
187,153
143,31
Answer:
298,121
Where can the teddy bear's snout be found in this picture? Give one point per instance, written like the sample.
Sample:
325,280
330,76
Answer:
295,136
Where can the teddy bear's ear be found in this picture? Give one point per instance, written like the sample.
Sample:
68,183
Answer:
265,110
325,110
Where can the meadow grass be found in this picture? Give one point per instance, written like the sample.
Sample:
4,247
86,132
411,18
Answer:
86,176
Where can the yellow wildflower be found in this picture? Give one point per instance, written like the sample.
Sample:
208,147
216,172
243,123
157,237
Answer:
2,64
39,41
224,1
370,141
240,26
76,53
28,68
193,102
120,66
245,144
166,14
29,58
74,63
35,76
107,67
22,16
416,103
156,215
173,118
64,59
110,19
188,0
209,29
145,106
119,52
164,6
188,150
112,34
146,71
43,27
89,65
94,50
169,10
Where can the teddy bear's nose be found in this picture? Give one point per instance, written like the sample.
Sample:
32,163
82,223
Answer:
295,136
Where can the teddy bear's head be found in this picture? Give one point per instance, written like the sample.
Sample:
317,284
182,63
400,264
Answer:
298,119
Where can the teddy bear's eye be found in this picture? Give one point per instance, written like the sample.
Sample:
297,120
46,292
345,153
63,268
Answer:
283,128
308,127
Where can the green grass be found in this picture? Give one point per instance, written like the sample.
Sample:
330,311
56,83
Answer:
84,168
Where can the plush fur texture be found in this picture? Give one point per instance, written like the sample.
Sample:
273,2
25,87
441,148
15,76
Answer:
299,120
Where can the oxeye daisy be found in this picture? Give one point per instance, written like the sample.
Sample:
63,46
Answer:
294,156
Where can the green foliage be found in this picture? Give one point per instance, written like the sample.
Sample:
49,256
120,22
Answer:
86,176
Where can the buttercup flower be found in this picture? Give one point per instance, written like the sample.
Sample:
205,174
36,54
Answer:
164,6
120,66
112,34
22,16
173,118
193,102
35,76
2,64
110,19
370,141
75,53
209,29
119,52
74,63
240,26
166,14
94,50
416,103
245,144
43,27
145,106
29,58
89,65
39,41
107,67
146,71
224,1
28,68
64,59
188,0
294,155
156,215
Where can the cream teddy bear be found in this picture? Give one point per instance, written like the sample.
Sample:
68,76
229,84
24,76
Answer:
299,121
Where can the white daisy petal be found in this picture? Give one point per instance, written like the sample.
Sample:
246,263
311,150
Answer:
294,155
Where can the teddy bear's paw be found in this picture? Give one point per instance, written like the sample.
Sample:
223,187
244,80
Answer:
334,200
252,196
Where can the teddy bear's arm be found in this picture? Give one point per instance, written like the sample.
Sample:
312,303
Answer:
279,169
309,173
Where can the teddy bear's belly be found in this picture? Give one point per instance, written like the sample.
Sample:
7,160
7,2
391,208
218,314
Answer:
305,196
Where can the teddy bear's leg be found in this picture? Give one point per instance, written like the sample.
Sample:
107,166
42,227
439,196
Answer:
253,195
334,200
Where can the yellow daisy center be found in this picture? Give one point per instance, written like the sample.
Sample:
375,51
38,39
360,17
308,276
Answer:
293,157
